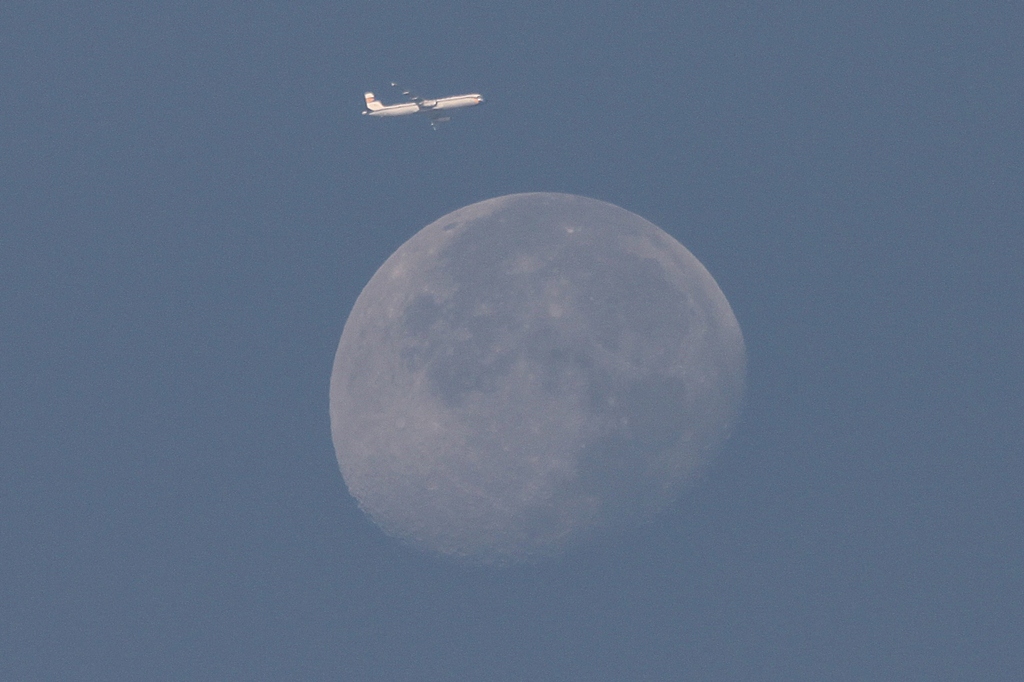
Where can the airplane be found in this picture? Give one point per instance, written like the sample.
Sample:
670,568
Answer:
436,109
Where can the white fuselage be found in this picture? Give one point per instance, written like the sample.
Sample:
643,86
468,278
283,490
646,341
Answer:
426,106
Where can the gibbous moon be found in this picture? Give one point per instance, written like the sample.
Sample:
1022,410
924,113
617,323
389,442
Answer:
531,372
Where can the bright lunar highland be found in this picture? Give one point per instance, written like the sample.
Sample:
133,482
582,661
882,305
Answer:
530,372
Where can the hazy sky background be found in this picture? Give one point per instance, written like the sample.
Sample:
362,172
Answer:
190,203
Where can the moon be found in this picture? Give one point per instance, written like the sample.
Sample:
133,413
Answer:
529,373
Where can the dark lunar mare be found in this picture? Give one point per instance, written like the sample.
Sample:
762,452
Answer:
529,371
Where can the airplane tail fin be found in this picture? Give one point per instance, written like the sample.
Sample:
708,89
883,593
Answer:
371,102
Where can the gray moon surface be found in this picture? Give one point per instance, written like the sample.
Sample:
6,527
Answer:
531,372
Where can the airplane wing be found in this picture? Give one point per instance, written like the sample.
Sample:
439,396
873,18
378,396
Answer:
436,121
412,97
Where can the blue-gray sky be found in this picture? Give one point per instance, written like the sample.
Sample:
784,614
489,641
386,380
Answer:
190,203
